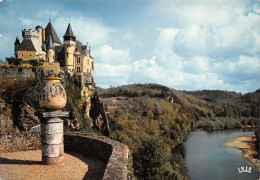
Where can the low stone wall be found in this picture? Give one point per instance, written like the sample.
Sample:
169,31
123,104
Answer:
20,142
112,152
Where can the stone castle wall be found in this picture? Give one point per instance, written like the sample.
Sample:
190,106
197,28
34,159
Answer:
16,73
25,73
112,152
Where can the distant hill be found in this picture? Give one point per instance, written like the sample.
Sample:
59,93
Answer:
215,96
136,90
212,103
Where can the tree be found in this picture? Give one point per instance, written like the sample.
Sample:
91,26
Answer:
150,160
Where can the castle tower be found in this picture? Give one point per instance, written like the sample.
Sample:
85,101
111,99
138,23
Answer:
40,31
16,46
50,51
32,35
69,46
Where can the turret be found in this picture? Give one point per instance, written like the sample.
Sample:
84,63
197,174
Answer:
16,46
50,31
69,46
39,29
87,50
50,51
69,35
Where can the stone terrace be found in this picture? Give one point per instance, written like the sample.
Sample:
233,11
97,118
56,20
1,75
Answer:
111,153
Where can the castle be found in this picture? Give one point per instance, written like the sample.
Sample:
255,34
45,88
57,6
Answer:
44,46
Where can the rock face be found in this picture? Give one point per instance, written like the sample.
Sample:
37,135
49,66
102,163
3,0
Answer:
98,114
27,118
6,124
72,121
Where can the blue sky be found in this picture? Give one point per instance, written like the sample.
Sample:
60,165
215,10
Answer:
188,45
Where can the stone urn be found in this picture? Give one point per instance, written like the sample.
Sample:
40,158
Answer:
53,95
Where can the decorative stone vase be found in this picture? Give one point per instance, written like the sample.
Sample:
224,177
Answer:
53,95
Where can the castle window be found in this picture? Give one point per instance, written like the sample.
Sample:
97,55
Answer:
22,54
30,55
67,54
78,60
76,49
67,46
78,69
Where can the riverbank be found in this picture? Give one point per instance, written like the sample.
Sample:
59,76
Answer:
247,145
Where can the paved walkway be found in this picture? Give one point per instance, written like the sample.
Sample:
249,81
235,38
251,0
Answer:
27,165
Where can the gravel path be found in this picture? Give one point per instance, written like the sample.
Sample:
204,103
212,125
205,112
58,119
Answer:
26,165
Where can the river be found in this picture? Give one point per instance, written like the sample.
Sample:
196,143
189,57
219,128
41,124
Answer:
207,158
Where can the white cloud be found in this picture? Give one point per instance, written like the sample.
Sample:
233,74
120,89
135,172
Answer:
163,49
106,75
240,67
150,71
197,65
106,54
132,38
114,71
146,71
248,63
211,28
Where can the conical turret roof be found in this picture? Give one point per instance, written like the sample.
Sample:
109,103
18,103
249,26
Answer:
17,41
50,31
50,43
69,32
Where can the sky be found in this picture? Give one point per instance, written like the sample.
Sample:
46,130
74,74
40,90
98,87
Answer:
182,44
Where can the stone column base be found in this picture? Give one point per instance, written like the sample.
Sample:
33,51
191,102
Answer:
53,161
52,137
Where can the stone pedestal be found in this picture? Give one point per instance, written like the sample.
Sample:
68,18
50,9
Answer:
52,137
